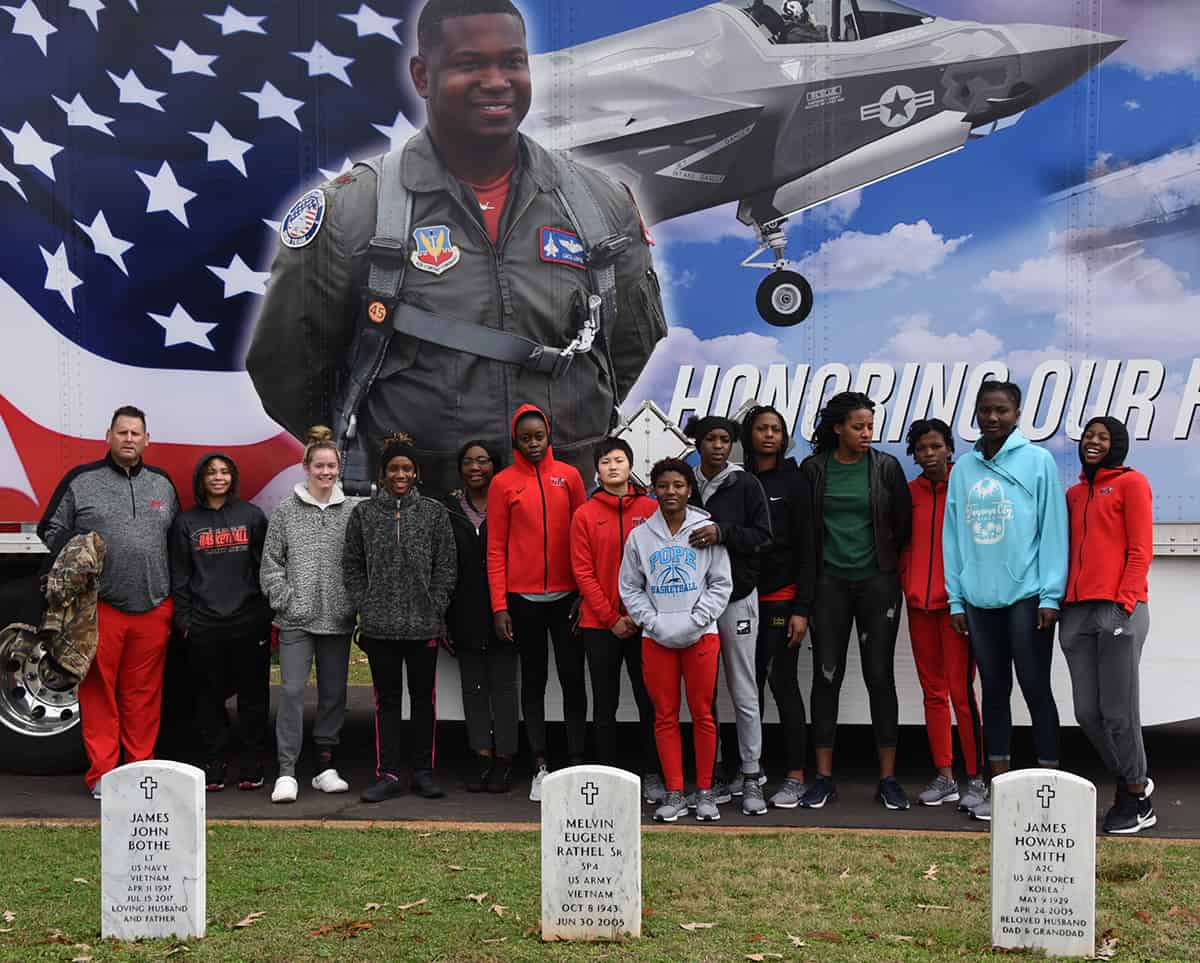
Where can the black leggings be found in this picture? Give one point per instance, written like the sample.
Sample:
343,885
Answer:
237,660
776,663
605,653
532,622
872,606
387,658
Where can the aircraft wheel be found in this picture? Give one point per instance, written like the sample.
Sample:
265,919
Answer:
784,298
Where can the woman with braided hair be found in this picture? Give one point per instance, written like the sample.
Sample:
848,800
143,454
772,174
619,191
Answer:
862,519
399,568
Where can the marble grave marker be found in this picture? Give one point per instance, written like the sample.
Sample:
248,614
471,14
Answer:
152,851
591,854
1044,862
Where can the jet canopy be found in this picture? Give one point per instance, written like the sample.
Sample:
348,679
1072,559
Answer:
825,21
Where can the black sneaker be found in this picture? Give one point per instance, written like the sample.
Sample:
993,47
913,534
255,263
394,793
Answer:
1122,817
500,778
478,780
423,784
251,777
891,794
388,787
214,776
821,792
1146,815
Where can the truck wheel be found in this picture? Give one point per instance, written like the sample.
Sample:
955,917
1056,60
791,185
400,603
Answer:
39,723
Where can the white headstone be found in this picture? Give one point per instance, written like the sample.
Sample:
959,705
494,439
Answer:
152,851
1044,862
591,854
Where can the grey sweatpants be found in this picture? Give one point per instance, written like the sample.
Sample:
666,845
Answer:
738,628
296,651
1103,646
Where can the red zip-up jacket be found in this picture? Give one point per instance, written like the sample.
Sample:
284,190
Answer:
922,575
529,524
598,533
1112,537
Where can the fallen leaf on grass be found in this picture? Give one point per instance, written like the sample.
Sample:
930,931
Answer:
424,835
855,918
931,874
177,949
248,920
9,916
1143,916
80,879
1108,946
898,937
371,907
1150,874
796,941
890,858
460,869
348,929
502,939
972,897
1185,914
931,906
407,906
756,938
498,909
533,930
476,897
81,959
845,874
57,936
692,927
759,957
825,935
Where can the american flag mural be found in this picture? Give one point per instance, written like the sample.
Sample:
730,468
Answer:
148,149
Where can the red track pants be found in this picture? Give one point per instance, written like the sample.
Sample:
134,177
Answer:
120,699
946,669
662,669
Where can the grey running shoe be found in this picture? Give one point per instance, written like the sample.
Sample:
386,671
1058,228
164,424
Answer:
975,793
721,793
789,794
753,803
706,806
736,784
654,791
983,810
672,808
941,790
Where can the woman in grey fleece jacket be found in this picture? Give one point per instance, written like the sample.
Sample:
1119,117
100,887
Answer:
302,580
399,569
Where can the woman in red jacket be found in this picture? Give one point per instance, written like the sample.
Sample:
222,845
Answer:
945,665
610,636
1105,618
530,506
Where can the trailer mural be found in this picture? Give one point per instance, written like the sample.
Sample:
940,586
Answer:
973,189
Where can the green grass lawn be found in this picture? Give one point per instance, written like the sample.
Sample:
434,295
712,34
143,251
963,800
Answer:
360,671
400,894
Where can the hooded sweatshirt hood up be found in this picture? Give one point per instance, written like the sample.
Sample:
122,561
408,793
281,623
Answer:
202,466
1117,452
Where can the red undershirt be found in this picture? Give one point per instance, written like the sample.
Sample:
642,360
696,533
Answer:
785,594
492,198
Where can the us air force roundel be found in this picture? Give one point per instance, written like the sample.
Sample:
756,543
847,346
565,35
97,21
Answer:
303,219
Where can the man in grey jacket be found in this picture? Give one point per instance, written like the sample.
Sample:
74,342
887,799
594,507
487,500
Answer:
491,249
131,505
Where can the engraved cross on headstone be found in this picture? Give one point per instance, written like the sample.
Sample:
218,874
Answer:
1045,794
589,792
148,786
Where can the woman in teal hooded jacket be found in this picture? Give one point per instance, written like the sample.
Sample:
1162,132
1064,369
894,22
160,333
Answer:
1004,546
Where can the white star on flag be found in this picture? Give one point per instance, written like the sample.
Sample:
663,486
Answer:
133,91
272,103
58,274
91,7
368,22
11,179
347,164
234,21
399,131
184,60
28,22
166,193
240,279
180,328
79,114
105,242
223,146
273,225
29,149
322,60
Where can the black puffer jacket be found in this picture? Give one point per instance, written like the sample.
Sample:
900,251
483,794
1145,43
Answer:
399,566
469,618
781,560
891,511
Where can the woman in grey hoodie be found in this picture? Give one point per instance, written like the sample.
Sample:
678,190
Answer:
676,591
302,579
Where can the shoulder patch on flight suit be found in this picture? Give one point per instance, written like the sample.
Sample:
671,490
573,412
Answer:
556,246
303,219
434,252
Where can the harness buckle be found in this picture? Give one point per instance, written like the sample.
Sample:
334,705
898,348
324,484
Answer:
387,249
603,253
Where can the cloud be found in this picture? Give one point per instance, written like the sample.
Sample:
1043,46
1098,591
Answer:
1133,105
682,345
1160,35
915,340
855,261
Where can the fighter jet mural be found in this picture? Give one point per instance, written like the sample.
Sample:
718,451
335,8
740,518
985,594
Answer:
787,104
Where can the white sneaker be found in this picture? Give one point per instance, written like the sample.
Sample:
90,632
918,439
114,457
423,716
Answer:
535,787
96,792
285,791
328,780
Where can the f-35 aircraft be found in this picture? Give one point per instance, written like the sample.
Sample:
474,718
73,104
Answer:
782,105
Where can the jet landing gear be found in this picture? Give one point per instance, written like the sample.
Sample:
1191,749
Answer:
784,297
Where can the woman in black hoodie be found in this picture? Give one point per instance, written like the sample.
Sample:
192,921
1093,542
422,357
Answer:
216,549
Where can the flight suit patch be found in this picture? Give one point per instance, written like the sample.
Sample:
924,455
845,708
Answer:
434,253
303,220
556,246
